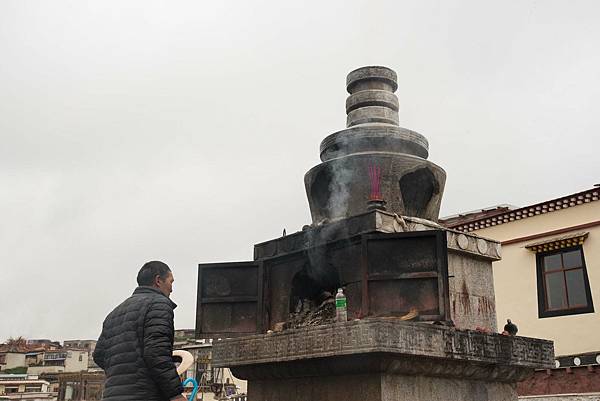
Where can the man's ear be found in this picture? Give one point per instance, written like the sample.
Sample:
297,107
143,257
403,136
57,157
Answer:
156,280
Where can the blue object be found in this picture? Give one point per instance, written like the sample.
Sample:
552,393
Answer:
195,390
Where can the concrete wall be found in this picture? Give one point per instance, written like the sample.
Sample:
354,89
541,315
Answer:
73,364
13,360
38,370
515,279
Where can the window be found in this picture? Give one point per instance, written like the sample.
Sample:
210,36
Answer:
55,355
563,286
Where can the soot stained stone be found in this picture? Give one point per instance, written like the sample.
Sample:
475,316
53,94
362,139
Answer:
303,287
339,187
320,190
417,189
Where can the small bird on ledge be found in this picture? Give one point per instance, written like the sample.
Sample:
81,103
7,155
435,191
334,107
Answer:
510,328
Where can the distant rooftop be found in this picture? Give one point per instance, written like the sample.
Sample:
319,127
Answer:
495,215
477,214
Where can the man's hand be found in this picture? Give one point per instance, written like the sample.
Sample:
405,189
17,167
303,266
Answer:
180,397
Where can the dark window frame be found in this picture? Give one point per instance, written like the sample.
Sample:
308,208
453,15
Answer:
543,311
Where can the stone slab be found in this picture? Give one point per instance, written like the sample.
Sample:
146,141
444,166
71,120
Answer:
379,387
423,388
372,222
471,290
387,346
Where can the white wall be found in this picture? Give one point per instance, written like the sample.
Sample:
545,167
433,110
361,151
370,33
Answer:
73,364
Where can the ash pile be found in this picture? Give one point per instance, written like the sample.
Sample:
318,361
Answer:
309,312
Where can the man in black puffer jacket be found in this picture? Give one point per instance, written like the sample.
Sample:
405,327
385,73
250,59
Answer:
136,345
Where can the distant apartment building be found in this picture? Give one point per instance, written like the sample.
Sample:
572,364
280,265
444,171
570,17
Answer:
214,383
24,387
61,361
548,283
89,345
43,343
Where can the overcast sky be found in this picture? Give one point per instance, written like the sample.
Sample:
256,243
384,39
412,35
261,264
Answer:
181,130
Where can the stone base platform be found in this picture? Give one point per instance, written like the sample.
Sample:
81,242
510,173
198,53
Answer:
382,359
380,387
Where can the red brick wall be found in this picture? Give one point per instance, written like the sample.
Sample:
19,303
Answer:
583,379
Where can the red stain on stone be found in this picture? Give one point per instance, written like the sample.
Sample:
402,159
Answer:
485,306
464,298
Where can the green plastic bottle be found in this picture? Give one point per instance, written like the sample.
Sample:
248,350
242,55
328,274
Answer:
341,308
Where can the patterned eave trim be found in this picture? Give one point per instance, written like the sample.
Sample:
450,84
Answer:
587,359
553,205
558,243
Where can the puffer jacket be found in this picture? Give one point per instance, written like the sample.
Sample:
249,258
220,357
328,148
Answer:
135,349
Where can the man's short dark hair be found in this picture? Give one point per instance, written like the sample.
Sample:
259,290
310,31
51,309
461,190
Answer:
150,270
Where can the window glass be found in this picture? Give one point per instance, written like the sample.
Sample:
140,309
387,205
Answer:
572,259
562,285
555,293
576,288
552,262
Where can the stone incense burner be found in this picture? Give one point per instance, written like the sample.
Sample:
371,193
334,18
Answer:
374,201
